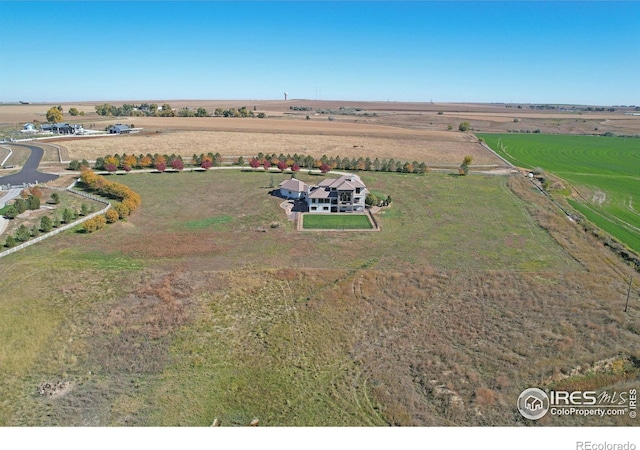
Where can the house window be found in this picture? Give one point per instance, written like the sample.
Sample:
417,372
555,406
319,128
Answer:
313,208
357,190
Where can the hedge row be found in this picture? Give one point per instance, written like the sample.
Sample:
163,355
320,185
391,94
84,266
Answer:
129,200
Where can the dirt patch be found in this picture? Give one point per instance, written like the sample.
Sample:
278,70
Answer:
55,389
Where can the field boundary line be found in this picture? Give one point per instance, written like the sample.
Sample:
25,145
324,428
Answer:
495,153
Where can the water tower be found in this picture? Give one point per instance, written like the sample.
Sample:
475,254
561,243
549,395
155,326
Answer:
285,96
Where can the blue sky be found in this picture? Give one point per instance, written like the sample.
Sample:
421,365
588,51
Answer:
451,51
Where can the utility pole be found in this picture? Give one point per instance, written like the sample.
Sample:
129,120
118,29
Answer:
628,292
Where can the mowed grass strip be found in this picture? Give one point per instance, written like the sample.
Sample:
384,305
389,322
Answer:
207,222
336,222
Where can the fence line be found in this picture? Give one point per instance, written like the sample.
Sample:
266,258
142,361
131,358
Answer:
65,227
8,156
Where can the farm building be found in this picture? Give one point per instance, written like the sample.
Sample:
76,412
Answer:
120,129
28,128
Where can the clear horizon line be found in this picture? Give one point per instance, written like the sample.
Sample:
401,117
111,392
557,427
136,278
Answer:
167,100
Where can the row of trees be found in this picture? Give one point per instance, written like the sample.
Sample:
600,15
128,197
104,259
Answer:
55,114
161,162
142,110
24,233
129,199
325,163
233,112
146,110
283,162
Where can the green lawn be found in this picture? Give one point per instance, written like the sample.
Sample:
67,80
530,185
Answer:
336,221
606,170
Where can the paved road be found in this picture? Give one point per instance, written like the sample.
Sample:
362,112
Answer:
29,172
10,195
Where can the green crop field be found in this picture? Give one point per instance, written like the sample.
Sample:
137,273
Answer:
605,170
336,222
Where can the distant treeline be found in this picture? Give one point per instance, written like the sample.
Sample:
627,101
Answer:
341,111
165,110
572,108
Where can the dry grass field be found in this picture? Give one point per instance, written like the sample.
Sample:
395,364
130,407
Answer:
422,132
416,116
474,289
195,309
433,148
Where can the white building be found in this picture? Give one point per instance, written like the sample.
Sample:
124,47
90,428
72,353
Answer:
28,128
293,188
346,194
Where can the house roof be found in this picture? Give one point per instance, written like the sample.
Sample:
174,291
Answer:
293,184
327,182
344,186
320,192
353,180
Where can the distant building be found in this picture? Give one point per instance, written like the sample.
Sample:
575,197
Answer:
120,129
28,128
60,128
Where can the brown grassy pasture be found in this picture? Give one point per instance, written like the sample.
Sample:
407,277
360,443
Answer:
475,289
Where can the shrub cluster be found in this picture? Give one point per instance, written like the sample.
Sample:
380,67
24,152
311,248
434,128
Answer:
536,131
21,205
233,112
129,200
343,111
94,224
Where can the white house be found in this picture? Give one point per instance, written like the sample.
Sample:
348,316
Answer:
293,188
28,128
331,195
338,195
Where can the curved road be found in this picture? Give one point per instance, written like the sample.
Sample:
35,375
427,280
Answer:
29,173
